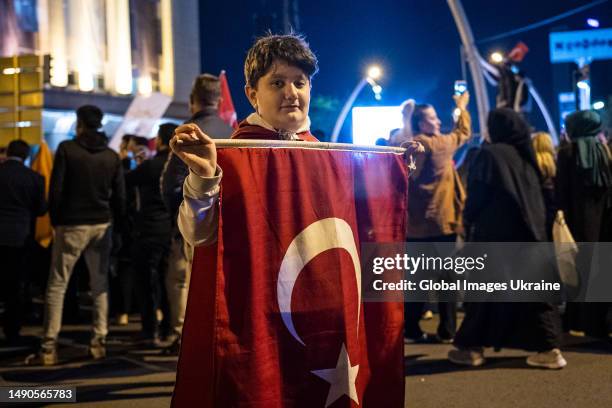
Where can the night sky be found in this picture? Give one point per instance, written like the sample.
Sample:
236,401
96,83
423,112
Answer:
416,43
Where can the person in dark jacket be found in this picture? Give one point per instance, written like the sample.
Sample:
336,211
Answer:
87,190
505,204
204,102
584,193
203,105
123,284
152,227
21,201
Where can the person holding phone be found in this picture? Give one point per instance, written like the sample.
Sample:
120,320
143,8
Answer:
435,200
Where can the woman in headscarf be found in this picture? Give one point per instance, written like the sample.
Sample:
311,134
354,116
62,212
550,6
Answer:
583,187
505,204
584,179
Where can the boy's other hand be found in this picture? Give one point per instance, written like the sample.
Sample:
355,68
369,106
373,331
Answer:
196,149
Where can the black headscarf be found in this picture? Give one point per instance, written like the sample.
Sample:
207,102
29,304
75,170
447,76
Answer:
591,157
508,163
507,126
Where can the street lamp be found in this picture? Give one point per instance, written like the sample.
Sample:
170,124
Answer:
593,22
373,72
496,57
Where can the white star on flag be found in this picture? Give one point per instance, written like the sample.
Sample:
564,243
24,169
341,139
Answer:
342,378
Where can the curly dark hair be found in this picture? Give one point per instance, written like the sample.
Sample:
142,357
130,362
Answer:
290,48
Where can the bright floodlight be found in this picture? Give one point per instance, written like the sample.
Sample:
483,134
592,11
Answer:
598,105
497,57
592,22
373,122
374,72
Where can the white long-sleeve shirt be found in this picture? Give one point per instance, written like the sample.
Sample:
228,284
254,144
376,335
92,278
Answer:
198,217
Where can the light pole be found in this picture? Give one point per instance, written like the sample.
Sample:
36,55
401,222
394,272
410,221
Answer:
473,58
373,73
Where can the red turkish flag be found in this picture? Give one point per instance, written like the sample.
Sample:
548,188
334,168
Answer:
274,317
226,111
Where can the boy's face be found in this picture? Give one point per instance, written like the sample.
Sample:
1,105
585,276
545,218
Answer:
282,96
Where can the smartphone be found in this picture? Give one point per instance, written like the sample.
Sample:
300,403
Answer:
460,86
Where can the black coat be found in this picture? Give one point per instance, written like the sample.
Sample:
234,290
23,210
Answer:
586,208
505,204
87,185
588,214
22,199
504,200
152,216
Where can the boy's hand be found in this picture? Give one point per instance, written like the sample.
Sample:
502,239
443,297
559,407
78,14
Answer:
462,100
196,149
413,149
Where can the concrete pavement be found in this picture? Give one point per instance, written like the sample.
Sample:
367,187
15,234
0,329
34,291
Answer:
132,378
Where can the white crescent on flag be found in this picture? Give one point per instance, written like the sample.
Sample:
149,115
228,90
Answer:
318,237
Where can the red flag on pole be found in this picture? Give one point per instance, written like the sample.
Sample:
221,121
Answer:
227,112
275,317
518,52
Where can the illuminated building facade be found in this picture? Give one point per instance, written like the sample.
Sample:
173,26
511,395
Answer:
105,52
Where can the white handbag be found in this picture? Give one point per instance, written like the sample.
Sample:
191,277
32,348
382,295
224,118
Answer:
566,251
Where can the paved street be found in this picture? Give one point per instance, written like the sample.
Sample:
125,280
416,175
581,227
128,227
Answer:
507,381
134,378
129,377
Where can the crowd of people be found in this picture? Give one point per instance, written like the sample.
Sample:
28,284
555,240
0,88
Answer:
137,215
117,212
515,183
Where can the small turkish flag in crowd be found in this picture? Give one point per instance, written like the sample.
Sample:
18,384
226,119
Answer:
275,317
227,112
518,52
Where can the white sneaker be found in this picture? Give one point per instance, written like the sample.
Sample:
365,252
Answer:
552,359
470,357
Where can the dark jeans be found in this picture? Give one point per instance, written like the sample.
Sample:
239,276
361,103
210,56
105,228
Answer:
12,284
527,326
123,286
448,310
150,261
